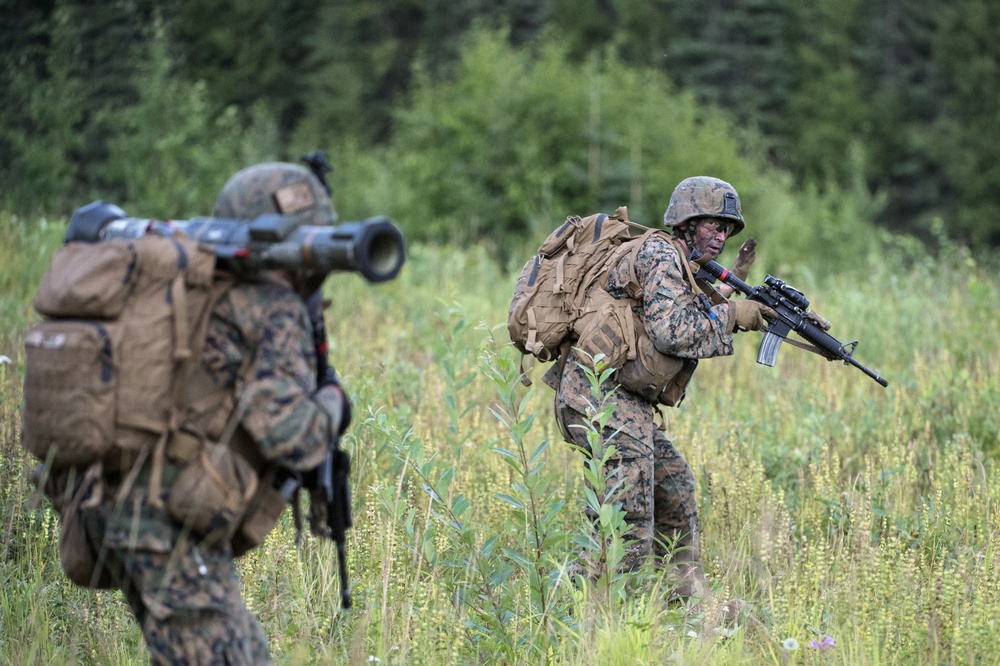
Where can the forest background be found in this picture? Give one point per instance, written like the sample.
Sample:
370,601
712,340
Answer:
896,101
861,524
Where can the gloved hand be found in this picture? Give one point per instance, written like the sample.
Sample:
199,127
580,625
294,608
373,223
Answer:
741,265
337,404
744,259
750,315
815,318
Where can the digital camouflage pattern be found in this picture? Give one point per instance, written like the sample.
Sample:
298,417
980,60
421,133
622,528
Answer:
658,495
185,597
185,594
266,326
703,196
679,322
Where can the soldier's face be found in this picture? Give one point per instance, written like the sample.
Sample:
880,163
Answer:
710,236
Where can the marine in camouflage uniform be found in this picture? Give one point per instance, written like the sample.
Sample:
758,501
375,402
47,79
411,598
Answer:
657,493
184,592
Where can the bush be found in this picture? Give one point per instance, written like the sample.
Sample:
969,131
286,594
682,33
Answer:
515,141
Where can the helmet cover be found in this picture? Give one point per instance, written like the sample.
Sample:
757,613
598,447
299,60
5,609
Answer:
704,196
275,187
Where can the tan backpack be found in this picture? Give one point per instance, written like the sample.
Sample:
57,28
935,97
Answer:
111,371
560,299
550,295
124,323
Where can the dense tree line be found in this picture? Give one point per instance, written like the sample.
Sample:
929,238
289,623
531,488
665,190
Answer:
900,96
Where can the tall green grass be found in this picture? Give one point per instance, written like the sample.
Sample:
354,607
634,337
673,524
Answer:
834,507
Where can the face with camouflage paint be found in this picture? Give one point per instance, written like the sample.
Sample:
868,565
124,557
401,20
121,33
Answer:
709,235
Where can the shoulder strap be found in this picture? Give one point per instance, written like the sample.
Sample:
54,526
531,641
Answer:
632,249
681,248
201,395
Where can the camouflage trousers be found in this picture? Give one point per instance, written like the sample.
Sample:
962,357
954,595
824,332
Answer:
186,599
657,496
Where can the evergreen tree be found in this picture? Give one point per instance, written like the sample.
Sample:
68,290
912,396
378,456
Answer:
738,55
363,54
173,152
967,130
248,52
826,113
43,111
106,40
903,90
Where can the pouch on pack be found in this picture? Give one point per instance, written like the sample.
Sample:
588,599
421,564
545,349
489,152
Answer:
552,288
104,368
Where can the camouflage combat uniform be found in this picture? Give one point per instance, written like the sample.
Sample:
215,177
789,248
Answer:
185,594
658,493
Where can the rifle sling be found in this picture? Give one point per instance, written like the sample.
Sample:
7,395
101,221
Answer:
808,347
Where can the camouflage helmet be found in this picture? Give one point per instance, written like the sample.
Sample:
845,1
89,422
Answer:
275,187
704,196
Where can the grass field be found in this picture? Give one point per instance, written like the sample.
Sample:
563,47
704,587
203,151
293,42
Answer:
859,523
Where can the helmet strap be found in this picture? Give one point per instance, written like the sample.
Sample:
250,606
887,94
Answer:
685,231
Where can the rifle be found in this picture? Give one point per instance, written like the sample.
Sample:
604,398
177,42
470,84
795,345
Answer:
793,314
373,248
327,484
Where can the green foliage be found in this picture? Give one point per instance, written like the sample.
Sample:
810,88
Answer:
515,142
172,152
901,90
826,113
40,121
966,145
831,505
604,545
251,54
125,129
25,253
361,55
497,150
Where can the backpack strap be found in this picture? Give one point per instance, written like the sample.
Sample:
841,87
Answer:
682,251
178,292
188,317
631,250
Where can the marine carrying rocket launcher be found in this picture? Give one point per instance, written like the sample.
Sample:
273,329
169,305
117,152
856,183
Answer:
373,248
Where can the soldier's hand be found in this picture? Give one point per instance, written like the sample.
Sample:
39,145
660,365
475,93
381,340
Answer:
815,318
337,405
751,315
744,259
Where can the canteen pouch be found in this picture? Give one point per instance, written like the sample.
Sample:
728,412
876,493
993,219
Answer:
76,556
261,516
212,491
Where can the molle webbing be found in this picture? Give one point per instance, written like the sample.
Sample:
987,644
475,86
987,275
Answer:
150,297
